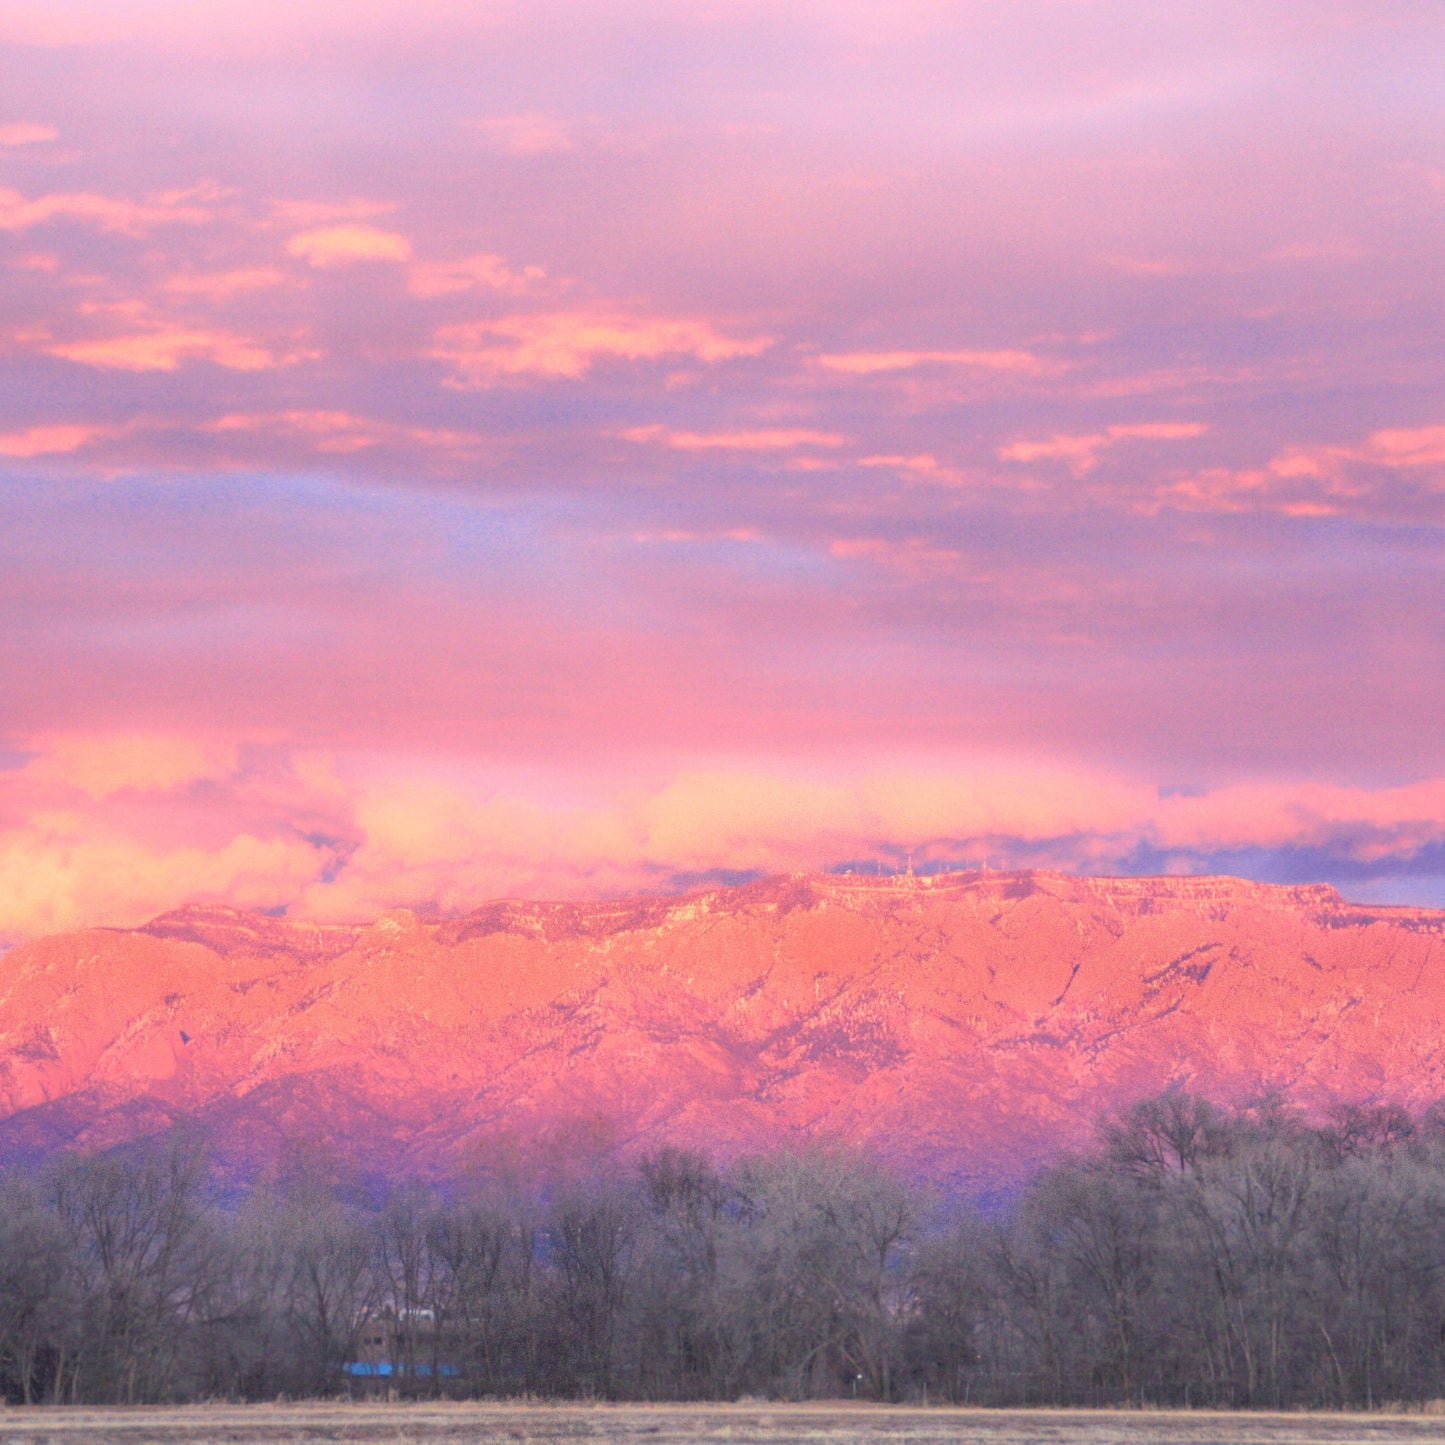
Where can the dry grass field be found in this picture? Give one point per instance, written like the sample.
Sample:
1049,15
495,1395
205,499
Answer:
832,1424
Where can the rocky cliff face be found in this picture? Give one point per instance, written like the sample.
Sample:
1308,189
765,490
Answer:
968,1026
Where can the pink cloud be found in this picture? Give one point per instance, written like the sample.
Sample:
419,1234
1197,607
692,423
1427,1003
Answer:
868,363
131,335
1410,447
346,245
100,766
1319,481
684,535
484,272
57,874
224,286
530,134
1081,452
920,467
319,432
910,558
1330,251
1149,266
40,441
166,349
130,218
567,344
340,433
1288,485
1271,814
25,133
312,214
89,831
744,440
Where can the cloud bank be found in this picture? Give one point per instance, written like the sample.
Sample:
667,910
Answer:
118,827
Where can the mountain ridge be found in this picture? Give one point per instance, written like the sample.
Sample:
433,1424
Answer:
968,1026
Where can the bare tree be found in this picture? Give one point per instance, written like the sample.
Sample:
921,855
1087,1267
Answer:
330,1288
38,1305
141,1233
482,1255
816,1282
590,1234
677,1346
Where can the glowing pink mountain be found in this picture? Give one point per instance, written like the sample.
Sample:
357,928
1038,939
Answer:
969,1026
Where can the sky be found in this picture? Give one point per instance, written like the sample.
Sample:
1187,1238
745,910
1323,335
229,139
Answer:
452,451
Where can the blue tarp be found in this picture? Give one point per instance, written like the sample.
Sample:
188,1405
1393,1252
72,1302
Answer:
384,1369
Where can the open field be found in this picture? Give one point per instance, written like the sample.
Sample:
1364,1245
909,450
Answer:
831,1424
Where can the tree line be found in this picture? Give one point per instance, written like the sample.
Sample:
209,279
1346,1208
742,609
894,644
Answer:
1197,1256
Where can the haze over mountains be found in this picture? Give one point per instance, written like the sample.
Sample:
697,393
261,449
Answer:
967,1026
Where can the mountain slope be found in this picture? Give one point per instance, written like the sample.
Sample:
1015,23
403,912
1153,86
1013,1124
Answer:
968,1026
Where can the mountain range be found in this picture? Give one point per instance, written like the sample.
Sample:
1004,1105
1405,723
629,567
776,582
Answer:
966,1026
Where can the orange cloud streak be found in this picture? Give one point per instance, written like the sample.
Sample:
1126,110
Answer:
568,344
340,431
222,286
429,279
345,245
762,440
868,363
1081,452
165,350
131,218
